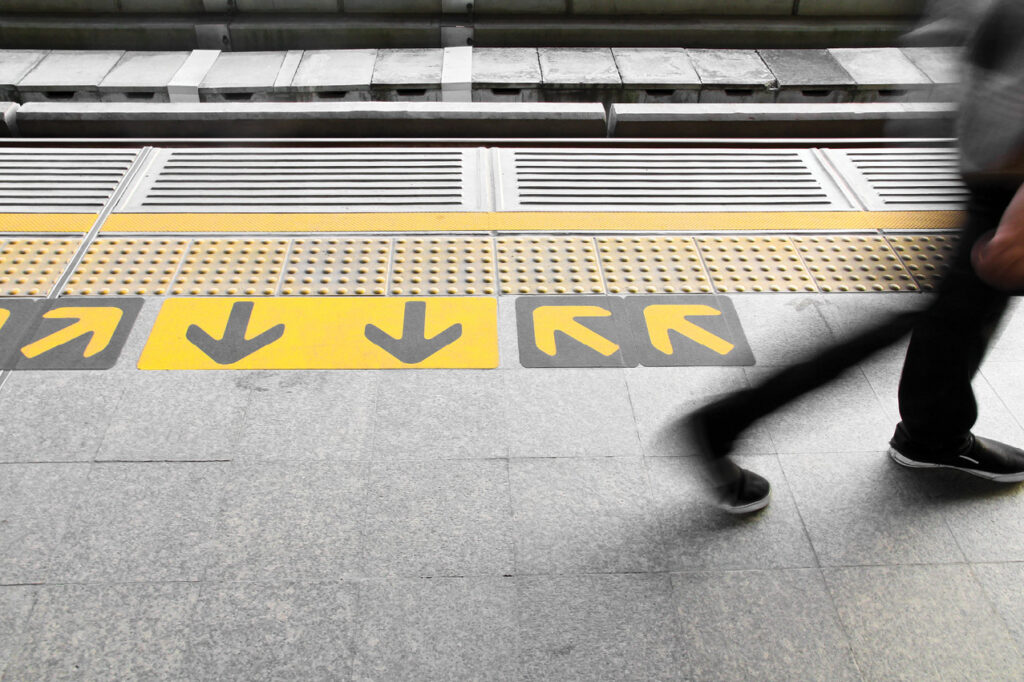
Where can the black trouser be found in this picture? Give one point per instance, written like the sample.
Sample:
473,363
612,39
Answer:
949,338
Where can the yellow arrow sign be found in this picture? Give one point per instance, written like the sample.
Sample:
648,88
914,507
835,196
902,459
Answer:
4,314
661,318
547,319
100,322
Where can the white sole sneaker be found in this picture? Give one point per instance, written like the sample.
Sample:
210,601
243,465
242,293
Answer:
900,459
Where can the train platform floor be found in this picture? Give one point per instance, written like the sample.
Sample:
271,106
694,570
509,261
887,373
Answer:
515,519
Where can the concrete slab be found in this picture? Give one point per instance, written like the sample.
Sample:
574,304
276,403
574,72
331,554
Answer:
295,630
142,76
16,602
8,119
1000,582
334,75
435,519
246,76
895,630
408,75
107,632
578,68
809,76
184,85
883,74
506,74
757,7
944,66
657,75
68,75
723,618
36,505
732,76
14,64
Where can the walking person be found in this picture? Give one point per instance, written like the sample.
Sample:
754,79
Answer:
950,335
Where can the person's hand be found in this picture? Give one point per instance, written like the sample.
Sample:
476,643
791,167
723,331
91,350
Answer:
998,257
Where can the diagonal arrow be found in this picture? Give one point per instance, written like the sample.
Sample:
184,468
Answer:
233,346
4,314
414,346
99,322
661,318
547,319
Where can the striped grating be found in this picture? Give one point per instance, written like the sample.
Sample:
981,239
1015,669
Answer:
60,180
902,179
306,181
661,180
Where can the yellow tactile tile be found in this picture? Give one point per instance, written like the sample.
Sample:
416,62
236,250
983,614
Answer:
446,266
926,256
739,264
337,267
652,265
31,266
549,265
854,263
232,267
127,266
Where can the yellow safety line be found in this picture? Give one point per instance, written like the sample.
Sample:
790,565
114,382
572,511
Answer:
530,221
46,222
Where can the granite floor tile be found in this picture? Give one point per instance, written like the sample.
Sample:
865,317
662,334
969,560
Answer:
16,603
56,416
850,313
863,509
661,396
188,416
437,629
107,632
1007,381
1002,586
583,515
508,336
310,416
36,503
761,625
782,327
273,631
441,414
922,623
449,518
599,627
139,335
986,518
140,522
289,521
570,413
1009,338
699,535
842,416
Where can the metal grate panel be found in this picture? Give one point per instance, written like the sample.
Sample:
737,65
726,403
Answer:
665,180
902,179
60,180
306,181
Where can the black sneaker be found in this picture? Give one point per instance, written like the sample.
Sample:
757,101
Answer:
980,457
737,490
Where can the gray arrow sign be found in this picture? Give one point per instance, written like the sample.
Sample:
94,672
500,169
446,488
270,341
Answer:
413,347
233,346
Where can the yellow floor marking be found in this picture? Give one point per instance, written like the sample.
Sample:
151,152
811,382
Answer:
100,322
530,221
4,315
549,319
46,222
323,333
661,318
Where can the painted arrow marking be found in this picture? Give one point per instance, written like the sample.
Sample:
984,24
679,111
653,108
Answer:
233,346
4,315
549,319
101,323
413,347
661,318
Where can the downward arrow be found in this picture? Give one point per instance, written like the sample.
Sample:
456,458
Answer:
413,347
233,346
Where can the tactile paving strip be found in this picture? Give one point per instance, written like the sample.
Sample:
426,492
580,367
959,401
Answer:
127,266
449,266
336,266
31,266
927,257
233,267
854,263
742,264
652,265
549,265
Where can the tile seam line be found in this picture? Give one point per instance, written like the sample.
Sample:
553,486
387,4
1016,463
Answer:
127,180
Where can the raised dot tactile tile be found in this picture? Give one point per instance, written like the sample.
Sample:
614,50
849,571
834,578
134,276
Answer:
549,265
744,264
232,267
652,265
31,266
854,263
443,266
127,267
337,267
927,257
